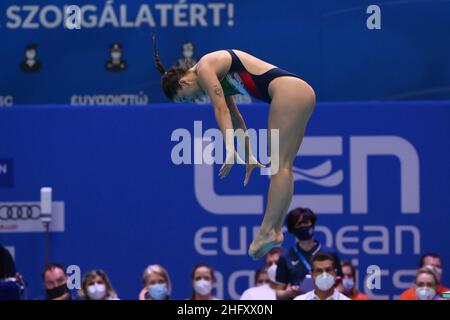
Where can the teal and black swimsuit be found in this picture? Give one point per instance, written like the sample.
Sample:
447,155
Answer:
239,81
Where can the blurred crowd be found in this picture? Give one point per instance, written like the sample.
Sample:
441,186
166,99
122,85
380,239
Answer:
307,271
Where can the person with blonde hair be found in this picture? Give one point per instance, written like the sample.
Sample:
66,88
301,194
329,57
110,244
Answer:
429,259
156,282
425,285
97,286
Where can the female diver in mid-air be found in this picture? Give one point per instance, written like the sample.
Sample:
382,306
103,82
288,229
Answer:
224,73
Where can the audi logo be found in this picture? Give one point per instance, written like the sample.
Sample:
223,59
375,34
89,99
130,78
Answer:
20,212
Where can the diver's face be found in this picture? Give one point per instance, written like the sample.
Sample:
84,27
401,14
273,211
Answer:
189,92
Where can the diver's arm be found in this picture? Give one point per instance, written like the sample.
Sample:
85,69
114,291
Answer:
210,84
239,123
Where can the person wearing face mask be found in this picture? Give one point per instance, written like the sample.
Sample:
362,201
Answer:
202,278
348,282
324,277
273,256
187,60
428,259
116,63
55,282
96,286
266,285
294,269
426,284
157,285
31,63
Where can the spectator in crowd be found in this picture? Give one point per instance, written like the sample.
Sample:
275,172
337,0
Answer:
55,279
266,286
261,277
294,268
428,259
187,59
426,284
202,279
12,285
7,265
348,282
273,256
157,285
324,274
96,286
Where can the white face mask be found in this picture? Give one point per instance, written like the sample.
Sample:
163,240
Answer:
425,293
272,273
96,291
203,287
324,281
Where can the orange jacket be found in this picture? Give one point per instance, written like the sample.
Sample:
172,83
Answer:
359,296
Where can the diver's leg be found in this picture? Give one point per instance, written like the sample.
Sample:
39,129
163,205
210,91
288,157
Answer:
291,108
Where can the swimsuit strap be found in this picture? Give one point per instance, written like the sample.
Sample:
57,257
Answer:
236,64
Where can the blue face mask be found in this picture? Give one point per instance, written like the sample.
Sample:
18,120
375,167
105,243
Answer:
304,233
348,284
158,291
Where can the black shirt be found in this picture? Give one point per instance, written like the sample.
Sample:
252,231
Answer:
290,269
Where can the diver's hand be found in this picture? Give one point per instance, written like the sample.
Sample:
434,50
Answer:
231,158
252,164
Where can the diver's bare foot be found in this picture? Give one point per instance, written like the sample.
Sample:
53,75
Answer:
264,242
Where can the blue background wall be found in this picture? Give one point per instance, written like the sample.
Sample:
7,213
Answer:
127,205
326,42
